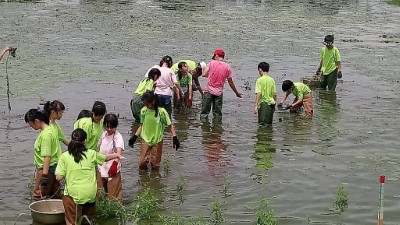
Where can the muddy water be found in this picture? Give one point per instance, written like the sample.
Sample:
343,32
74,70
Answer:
82,51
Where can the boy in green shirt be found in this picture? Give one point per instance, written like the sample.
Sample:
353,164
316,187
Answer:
303,97
330,64
93,126
265,95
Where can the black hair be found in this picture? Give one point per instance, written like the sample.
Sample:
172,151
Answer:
76,146
329,38
37,114
110,120
154,74
168,60
54,105
180,66
286,85
84,114
149,96
263,66
99,108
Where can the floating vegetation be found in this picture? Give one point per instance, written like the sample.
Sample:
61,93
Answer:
167,164
394,2
180,187
176,219
341,202
265,215
225,189
216,214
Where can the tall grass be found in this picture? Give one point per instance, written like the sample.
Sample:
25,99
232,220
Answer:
265,215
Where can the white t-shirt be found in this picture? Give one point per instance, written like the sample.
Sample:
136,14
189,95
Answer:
147,73
165,82
108,144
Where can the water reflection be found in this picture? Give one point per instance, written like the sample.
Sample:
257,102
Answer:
213,144
151,179
328,111
264,149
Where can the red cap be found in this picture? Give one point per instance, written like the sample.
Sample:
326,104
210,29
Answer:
219,52
382,179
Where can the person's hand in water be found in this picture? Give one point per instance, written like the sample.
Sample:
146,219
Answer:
287,107
176,143
239,95
132,141
189,102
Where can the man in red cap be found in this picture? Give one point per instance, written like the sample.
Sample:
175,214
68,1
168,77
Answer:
217,72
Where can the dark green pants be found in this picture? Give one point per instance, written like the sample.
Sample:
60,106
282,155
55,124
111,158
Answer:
329,80
266,114
136,106
213,101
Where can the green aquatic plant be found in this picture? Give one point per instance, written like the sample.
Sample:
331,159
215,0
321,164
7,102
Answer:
146,204
341,202
176,219
225,189
167,164
216,214
265,215
107,209
394,2
180,187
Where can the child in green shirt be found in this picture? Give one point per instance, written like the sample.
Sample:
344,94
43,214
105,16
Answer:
45,155
78,167
93,126
154,119
330,64
56,109
265,95
144,85
303,97
186,81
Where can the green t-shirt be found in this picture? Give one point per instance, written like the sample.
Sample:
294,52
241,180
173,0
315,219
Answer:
186,81
46,145
80,177
60,136
300,90
153,127
329,58
265,86
93,131
144,85
191,64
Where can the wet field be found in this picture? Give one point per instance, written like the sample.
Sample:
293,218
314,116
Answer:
82,51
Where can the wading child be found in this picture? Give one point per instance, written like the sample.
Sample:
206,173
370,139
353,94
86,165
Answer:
265,95
145,85
56,109
45,154
164,85
78,167
93,126
330,64
185,81
84,113
303,97
154,119
195,69
109,176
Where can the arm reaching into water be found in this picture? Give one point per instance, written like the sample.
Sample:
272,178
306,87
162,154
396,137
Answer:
258,95
6,49
233,87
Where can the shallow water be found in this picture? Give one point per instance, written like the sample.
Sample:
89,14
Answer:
82,51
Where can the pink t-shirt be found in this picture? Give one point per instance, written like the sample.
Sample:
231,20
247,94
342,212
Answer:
165,82
108,144
218,72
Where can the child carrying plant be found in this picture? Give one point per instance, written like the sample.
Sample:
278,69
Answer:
303,97
109,176
78,167
93,126
186,81
45,154
265,95
154,119
145,85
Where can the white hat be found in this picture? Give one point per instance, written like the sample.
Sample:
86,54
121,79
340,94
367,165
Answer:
203,65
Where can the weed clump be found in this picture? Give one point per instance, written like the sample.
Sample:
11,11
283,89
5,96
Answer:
265,215
341,202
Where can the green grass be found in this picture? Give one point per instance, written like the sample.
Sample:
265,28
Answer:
216,214
341,202
394,2
265,215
